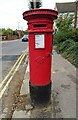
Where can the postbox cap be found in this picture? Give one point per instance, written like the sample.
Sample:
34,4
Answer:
35,13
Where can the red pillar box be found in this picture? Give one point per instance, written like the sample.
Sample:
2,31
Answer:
40,28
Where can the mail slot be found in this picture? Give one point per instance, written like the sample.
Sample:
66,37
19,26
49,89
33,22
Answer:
39,25
40,28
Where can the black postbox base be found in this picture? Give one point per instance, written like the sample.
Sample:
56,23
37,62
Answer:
40,95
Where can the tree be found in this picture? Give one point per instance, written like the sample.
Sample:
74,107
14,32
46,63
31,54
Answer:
15,33
64,22
3,31
64,25
26,31
66,38
35,4
7,32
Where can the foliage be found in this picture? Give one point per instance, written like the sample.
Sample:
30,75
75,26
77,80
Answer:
64,22
66,39
71,54
26,32
0,31
7,32
74,35
15,33
64,46
61,36
21,35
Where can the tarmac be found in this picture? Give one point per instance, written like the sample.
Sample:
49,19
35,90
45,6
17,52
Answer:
64,88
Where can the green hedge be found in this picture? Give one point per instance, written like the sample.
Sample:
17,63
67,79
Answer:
67,44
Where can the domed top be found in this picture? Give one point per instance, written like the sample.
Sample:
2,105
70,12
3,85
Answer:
35,13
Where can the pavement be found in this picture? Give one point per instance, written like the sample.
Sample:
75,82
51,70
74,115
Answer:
63,98
64,87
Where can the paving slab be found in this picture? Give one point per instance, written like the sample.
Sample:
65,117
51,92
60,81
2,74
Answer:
21,114
64,85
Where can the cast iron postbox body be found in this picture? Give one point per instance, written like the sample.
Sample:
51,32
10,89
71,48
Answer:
40,28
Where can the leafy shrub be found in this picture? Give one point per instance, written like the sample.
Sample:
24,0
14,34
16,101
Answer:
60,37
64,46
74,35
66,38
71,54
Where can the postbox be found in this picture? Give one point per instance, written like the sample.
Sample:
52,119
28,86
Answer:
40,28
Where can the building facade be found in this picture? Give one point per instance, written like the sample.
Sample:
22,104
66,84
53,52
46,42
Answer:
69,7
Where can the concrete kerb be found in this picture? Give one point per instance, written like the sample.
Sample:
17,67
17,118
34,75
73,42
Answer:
25,86
24,91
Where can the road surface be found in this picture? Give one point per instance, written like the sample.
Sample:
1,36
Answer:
11,50
9,53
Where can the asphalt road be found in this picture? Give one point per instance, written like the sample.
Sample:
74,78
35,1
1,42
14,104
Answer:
9,53
10,50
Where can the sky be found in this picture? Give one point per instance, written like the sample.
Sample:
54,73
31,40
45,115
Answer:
11,12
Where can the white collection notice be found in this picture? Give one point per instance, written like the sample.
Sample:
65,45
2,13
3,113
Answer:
39,41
